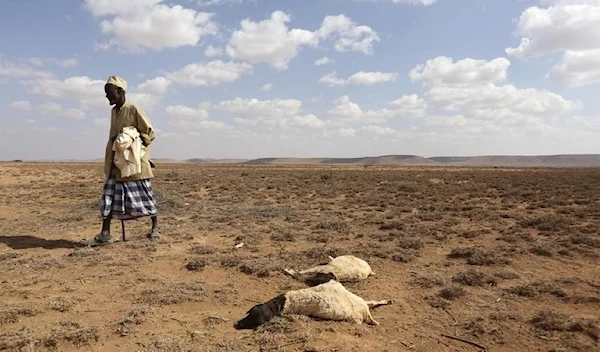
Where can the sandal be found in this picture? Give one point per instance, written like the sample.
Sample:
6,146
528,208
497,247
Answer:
99,240
153,235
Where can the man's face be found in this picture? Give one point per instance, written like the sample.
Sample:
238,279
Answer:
112,94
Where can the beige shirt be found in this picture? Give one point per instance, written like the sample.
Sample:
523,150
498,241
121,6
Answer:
130,115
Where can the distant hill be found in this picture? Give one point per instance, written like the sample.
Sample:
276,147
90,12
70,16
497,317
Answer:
568,160
585,160
390,160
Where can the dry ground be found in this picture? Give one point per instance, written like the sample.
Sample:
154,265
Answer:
504,258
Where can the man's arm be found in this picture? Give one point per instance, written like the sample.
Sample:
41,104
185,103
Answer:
144,127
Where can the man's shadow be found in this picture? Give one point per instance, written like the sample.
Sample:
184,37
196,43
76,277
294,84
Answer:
28,242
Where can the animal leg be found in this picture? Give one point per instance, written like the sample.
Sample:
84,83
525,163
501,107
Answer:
316,269
369,319
290,272
372,304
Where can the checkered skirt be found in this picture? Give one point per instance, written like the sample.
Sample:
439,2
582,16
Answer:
127,199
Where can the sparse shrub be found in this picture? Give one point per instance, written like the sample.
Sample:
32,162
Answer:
452,292
541,250
554,321
196,264
203,249
477,256
536,289
472,277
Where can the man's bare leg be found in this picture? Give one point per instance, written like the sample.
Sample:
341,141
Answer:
154,232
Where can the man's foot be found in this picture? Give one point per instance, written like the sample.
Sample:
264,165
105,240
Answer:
154,234
99,240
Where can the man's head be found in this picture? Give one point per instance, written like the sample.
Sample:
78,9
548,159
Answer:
115,90
261,313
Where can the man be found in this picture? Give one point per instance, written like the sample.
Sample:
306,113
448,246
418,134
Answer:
126,197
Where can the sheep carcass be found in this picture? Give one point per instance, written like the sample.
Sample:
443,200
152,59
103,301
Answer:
345,268
329,301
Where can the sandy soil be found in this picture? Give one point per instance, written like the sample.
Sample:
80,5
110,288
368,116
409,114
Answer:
504,259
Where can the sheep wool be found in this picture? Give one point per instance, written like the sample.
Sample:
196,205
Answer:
345,268
331,301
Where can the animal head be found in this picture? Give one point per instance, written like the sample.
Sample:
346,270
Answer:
319,278
261,313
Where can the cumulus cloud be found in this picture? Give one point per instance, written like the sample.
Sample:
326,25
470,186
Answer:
473,90
404,107
135,25
404,2
187,119
443,70
204,3
271,41
568,26
22,105
577,68
58,110
359,78
210,74
89,92
264,111
323,61
21,70
212,51
266,87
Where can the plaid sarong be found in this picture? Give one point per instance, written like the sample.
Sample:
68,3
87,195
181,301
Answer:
128,199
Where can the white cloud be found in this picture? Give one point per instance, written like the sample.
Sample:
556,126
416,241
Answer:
359,78
558,28
331,79
348,35
20,70
406,2
89,92
203,3
469,90
150,92
568,26
135,25
188,119
442,70
58,110
212,51
253,111
578,68
210,74
489,97
323,61
307,121
183,112
22,105
69,62
40,62
369,78
156,86
271,41
266,87
407,106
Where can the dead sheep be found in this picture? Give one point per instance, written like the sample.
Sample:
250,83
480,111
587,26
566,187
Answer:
328,301
345,268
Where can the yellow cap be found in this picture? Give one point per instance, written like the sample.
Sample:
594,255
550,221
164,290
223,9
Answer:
117,81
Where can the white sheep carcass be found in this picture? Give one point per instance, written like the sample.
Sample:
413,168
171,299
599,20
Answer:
345,268
328,301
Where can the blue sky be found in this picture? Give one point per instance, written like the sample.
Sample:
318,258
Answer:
282,78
